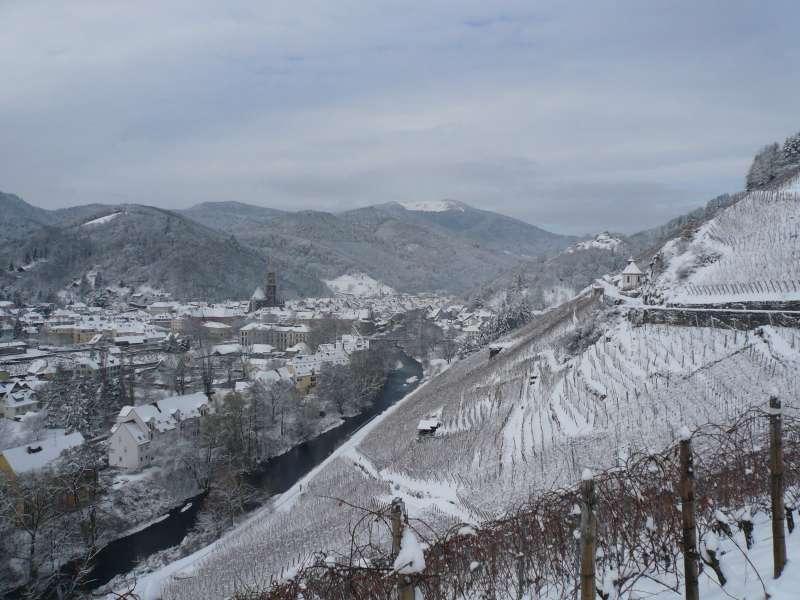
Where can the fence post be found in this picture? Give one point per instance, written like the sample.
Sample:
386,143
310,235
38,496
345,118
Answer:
398,516
588,536
690,555
776,486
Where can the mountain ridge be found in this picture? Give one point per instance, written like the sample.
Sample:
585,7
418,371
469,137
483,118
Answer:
405,250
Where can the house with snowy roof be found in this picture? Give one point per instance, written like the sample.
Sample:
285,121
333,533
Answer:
38,455
17,401
281,336
632,276
216,331
130,445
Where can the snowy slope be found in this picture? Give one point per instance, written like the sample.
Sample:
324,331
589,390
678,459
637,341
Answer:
102,220
749,572
603,241
750,251
358,284
792,186
560,397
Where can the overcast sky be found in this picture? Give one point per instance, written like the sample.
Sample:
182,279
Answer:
573,116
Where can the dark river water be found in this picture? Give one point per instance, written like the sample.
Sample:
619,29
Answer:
275,475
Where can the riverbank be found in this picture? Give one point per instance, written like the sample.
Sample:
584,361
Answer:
282,475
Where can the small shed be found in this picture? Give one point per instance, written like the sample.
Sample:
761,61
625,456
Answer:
428,426
632,276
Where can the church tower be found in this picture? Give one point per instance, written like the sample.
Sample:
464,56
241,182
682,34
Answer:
271,287
267,296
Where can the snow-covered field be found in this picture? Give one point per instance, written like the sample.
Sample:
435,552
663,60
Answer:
358,284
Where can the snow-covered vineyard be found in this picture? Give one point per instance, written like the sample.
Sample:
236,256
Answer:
530,553
749,252
529,419
582,386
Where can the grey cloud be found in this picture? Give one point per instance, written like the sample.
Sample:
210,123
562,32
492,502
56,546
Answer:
573,116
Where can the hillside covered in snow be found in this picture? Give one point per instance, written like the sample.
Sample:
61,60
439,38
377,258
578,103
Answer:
749,252
586,384
579,387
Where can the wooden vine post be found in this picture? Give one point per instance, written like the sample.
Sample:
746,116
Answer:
776,486
398,517
690,555
588,536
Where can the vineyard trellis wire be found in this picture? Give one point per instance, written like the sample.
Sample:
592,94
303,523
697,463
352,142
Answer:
533,551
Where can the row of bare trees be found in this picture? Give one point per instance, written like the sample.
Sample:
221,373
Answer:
632,520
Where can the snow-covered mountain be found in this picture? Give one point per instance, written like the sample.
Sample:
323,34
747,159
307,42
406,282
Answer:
407,250
434,206
133,246
445,245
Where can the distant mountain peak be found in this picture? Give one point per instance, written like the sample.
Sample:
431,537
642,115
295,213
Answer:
434,206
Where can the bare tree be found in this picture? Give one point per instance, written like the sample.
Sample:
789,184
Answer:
449,348
32,506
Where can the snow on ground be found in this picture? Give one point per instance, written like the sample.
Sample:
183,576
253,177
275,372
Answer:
436,366
433,206
603,241
102,220
358,284
34,263
749,572
557,295
792,186
18,433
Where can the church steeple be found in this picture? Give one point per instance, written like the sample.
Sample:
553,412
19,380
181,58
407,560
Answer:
267,296
271,287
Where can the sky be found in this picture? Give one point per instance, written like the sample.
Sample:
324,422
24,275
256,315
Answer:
574,116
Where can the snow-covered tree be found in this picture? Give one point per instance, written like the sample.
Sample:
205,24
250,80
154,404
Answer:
790,154
765,167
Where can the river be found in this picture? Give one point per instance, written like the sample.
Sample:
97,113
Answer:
276,475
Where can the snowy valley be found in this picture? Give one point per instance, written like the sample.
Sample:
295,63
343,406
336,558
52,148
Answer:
587,384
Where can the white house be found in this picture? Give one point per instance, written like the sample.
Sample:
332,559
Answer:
632,276
130,445
326,354
18,401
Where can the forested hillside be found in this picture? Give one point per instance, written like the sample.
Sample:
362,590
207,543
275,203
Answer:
449,250
130,246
